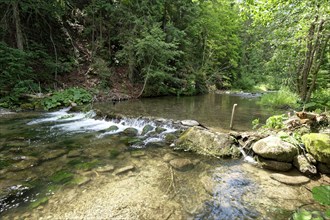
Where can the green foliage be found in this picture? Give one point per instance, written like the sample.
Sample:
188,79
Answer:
294,139
14,97
255,123
101,68
320,100
275,122
14,67
281,99
67,97
307,215
322,194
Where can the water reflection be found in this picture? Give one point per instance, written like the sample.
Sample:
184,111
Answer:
213,110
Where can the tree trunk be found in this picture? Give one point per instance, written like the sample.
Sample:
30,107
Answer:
316,45
19,34
317,67
308,61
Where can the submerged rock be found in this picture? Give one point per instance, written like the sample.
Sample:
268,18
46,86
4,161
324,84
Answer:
81,180
274,165
182,164
168,157
209,184
138,153
304,163
124,170
107,168
273,147
74,153
318,145
24,163
290,180
52,154
206,142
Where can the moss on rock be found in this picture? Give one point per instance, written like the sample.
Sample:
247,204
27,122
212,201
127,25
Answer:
318,145
208,143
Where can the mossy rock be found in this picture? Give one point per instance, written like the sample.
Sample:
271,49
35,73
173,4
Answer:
147,129
170,138
4,163
318,145
39,202
113,153
205,142
87,165
112,128
160,130
61,177
131,132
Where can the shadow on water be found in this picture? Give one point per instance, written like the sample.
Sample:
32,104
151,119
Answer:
212,110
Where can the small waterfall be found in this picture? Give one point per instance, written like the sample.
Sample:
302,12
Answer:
79,122
246,157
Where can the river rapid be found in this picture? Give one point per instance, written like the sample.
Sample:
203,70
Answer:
74,165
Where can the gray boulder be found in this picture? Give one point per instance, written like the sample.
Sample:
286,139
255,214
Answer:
273,147
274,165
205,142
304,163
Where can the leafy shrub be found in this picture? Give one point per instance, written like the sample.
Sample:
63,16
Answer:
275,122
14,67
319,100
66,97
284,98
22,87
321,194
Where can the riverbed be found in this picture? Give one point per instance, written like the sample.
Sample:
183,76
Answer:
74,165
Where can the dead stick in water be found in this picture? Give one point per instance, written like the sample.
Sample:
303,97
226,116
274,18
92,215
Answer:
232,116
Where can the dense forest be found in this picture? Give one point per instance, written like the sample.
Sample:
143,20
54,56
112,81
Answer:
108,48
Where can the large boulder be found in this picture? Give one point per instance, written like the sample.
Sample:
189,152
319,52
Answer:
318,145
205,142
273,147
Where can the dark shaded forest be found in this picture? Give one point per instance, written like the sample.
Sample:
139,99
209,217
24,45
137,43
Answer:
132,48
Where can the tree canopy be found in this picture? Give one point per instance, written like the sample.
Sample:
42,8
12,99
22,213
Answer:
167,47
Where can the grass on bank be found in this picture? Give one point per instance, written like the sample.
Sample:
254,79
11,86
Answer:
282,99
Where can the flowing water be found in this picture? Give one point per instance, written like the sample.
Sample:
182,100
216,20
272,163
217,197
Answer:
65,165
211,110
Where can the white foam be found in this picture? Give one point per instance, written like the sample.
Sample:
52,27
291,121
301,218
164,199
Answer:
82,122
